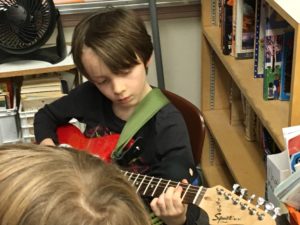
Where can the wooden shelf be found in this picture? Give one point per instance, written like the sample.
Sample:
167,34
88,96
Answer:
216,175
29,67
289,11
242,157
273,114
220,73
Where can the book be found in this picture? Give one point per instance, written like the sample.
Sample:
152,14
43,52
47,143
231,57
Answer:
233,32
57,2
276,26
277,171
35,89
36,79
35,103
260,20
6,86
268,143
226,28
250,122
40,84
235,105
292,141
245,27
286,72
3,102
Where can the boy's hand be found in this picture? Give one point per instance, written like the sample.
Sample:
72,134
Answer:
47,141
168,206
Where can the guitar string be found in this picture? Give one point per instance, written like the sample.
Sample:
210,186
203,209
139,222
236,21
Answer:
138,179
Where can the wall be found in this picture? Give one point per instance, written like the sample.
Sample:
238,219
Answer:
180,47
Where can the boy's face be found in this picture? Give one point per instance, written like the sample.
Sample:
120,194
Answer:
125,90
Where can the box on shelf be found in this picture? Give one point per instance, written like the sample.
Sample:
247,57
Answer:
26,124
8,126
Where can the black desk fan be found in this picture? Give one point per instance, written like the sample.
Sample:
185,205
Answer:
25,26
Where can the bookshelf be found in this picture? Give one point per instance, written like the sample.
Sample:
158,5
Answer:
227,156
17,70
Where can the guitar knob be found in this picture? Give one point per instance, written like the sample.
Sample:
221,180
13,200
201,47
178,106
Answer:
235,201
243,206
220,191
260,216
227,196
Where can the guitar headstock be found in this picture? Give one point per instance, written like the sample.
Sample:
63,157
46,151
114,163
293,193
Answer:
236,207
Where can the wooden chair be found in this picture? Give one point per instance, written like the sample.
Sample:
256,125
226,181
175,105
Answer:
194,121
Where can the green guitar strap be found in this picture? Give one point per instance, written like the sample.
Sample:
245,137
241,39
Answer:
145,110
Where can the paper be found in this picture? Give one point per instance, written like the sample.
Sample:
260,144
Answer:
288,191
292,141
278,170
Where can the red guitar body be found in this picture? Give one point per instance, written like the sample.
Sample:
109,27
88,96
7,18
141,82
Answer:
100,146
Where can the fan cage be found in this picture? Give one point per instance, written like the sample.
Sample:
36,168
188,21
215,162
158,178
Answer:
26,25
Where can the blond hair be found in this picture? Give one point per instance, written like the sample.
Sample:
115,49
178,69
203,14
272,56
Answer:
42,185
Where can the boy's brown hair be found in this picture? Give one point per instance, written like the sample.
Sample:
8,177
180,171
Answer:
42,185
118,36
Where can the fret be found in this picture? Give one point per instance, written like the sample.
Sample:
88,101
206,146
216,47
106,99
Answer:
141,183
129,178
186,190
152,186
201,195
156,187
166,186
198,193
148,186
133,183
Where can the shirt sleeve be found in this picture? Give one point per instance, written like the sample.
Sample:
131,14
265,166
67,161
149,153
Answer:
61,111
174,149
175,153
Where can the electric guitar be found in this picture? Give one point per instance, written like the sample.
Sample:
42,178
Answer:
99,146
221,205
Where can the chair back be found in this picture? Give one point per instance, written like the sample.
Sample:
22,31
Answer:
194,121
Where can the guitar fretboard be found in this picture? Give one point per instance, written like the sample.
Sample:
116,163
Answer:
153,186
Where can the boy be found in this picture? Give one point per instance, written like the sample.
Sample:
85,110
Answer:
42,185
113,50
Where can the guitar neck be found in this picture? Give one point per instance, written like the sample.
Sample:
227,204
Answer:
153,187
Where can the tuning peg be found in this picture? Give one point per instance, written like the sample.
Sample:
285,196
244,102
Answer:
243,191
269,206
251,198
276,212
235,188
260,202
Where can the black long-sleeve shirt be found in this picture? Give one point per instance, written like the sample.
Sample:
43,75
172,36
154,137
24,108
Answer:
165,150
